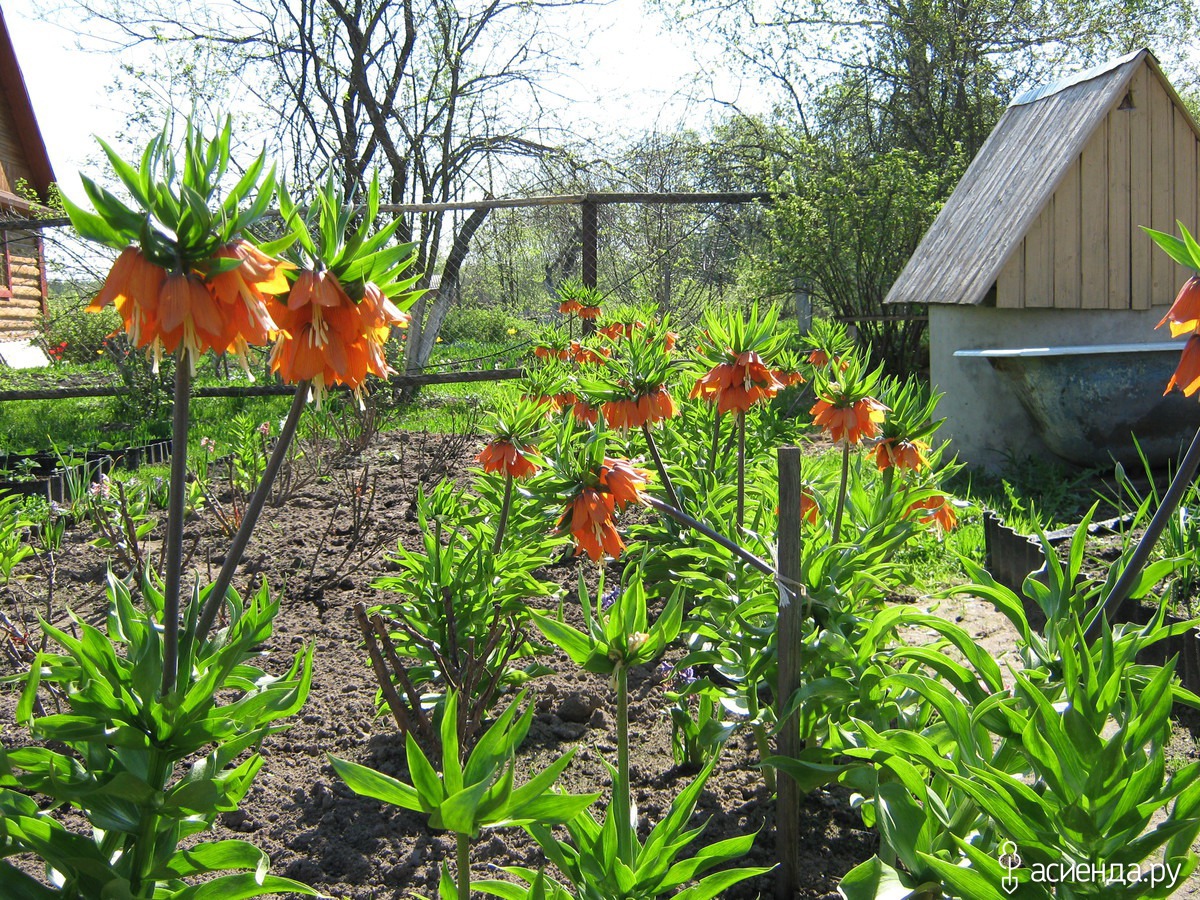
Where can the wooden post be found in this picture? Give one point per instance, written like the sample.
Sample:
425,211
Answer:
591,230
789,638
803,306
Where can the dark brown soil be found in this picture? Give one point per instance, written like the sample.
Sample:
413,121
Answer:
314,828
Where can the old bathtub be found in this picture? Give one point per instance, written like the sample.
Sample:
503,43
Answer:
1088,402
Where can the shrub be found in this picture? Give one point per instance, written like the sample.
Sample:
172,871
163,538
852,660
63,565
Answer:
487,325
83,333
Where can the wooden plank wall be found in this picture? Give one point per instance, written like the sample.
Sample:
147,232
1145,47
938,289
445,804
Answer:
13,167
1086,249
21,314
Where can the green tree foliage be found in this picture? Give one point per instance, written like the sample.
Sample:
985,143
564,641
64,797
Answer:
845,228
881,103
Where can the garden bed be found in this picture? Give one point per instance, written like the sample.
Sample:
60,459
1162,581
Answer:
314,828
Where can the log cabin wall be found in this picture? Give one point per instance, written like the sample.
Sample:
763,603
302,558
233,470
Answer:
22,285
1086,249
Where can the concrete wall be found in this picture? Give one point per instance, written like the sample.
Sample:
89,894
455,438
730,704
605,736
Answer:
985,421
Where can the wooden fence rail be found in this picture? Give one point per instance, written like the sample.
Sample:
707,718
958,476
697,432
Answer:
265,390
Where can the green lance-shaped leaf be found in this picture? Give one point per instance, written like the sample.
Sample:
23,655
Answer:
480,794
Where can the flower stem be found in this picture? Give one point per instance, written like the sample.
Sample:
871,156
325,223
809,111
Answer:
1141,553
716,439
792,587
622,801
463,862
237,549
662,469
176,508
504,509
841,500
763,744
741,469
147,834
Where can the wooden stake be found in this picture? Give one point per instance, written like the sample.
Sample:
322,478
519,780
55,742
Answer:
790,645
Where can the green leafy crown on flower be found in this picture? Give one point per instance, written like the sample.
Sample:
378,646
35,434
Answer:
912,411
572,289
844,386
520,423
176,217
640,367
728,334
326,239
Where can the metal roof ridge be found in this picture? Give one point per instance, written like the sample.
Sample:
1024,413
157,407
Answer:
1047,90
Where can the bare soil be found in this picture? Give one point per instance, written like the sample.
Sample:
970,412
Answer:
314,828
312,553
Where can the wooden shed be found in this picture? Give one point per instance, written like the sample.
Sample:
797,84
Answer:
1039,250
25,179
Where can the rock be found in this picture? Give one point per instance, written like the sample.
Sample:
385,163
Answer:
577,706
599,719
567,731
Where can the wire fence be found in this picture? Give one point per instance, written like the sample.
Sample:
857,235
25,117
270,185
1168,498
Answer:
676,254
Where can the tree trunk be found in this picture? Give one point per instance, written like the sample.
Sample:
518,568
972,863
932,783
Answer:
430,311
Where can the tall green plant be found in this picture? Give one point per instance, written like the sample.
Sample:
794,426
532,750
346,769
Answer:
148,771
609,861
467,797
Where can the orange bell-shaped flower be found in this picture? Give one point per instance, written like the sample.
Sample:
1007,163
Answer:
507,457
1184,314
1187,373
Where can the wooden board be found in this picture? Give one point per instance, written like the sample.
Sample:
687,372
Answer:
1093,221
1118,209
1007,187
1039,260
1067,280
1163,282
1184,181
1010,286
1139,191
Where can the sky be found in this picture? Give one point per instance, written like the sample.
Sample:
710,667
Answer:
641,83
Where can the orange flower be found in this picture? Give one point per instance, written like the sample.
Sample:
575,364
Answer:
849,423
589,312
585,412
809,511
188,312
132,285
941,513
162,310
242,290
820,359
901,454
670,339
507,457
623,481
569,306
1187,373
591,511
644,410
1184,314
787,379
613,331
737,386
616,330
328,338
586,355
592,525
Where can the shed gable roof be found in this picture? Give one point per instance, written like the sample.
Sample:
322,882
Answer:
1011,180
12,84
